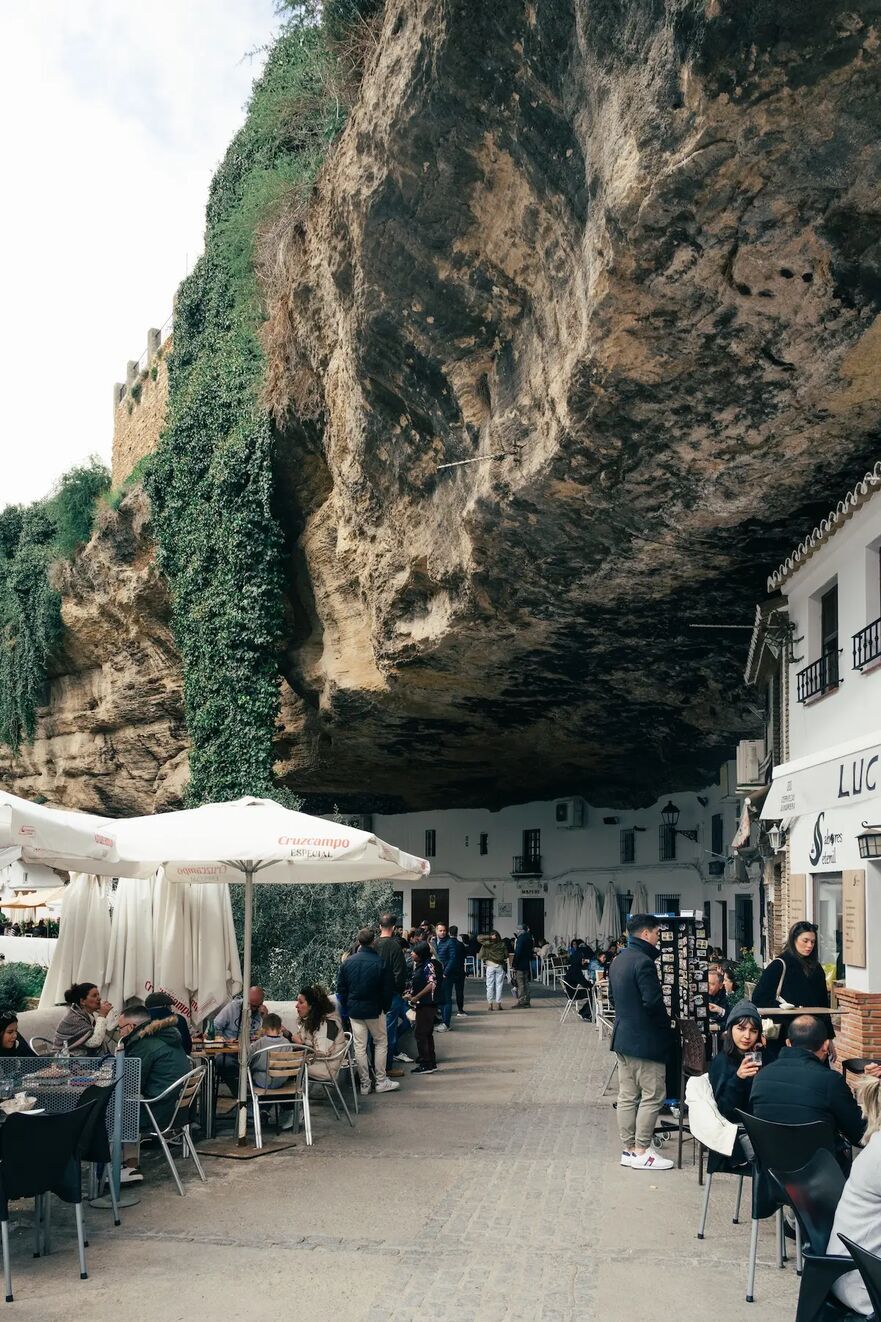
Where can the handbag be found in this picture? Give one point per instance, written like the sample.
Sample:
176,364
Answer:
769,1028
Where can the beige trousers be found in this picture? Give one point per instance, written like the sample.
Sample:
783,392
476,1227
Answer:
377,1030
642,1087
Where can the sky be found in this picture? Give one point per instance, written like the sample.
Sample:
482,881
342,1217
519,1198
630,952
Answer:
114,114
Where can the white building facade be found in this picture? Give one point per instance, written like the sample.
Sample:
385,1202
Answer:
537,862
830,784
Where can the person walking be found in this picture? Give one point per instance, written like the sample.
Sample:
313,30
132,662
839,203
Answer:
494,954
459,977
391,952
424,999
641,1040
364,994
794,979
448,956
524,949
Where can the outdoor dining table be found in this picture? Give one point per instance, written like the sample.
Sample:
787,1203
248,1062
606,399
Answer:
206,1054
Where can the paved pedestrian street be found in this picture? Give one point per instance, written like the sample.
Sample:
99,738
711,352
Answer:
488,1191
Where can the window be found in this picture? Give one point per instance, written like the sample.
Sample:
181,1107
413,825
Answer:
666,904
628,846
667,843
828,917
531,845
717,830
484,842
829,633
430,844
480,916
625,907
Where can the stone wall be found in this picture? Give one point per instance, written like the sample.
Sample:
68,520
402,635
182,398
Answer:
137,422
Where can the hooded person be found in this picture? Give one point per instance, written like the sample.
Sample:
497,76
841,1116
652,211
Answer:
735,1066
160,1005
157,1044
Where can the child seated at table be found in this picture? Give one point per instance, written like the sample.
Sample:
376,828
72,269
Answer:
269,1038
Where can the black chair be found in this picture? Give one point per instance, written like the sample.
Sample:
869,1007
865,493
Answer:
869,1267
39,1155
813,1193
785,1148
95,1141
692,1062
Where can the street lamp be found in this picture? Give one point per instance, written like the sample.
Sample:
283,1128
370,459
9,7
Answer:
670,816
870,841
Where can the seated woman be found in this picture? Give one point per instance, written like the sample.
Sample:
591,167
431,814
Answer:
86,1027
319,1024
10,1042
859,1212
575,979
734,1068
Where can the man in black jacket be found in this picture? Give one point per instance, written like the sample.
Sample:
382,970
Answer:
524,950
364,993
391,952
799,1087
641,1039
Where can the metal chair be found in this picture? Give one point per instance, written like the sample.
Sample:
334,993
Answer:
604,1012
286,1071
178,1127
573,996
39,1155
813,1193
784,1148
324,1072
42,1046
693,1062
869,1267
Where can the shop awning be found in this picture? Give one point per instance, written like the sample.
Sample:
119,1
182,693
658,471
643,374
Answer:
845,776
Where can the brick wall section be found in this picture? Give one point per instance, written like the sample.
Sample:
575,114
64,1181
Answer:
136,432
859,1030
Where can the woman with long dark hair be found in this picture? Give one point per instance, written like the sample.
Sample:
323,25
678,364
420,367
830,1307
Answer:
11,1044
794,979
319,1022
86,1027
738,1061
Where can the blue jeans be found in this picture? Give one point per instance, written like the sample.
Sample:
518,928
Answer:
447,991
396,1020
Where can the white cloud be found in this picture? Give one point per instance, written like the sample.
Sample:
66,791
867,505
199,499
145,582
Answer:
115,116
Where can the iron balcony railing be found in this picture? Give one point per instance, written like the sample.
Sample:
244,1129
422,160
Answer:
819,677
526,865
867,645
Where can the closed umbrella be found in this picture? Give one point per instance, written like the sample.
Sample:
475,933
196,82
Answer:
610,920
172,941
259,842
589,921
83,946
130,962
215,972
641,899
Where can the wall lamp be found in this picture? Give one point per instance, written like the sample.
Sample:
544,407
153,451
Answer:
670,816
776,837
870,841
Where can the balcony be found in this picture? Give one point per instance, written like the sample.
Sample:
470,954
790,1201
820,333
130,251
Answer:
821,676
867,645
526,865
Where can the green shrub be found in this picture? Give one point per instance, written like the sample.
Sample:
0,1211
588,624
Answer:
18,982
74,501
135,390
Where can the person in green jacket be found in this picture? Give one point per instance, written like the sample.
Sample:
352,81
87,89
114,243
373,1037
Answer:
157,1044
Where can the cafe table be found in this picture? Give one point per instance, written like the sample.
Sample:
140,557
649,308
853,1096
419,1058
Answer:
206,1054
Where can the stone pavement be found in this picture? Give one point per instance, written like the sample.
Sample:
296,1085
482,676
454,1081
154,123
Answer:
487,1191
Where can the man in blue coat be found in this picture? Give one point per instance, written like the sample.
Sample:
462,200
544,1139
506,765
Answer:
448,952
641,1039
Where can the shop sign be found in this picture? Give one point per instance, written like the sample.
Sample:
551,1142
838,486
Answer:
853,918
845,777
824,845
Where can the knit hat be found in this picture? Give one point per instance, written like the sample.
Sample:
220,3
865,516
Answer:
745,1010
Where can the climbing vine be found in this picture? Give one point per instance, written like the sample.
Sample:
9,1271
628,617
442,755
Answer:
31,539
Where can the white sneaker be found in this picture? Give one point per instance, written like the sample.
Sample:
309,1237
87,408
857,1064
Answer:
365,1090
387,1085
650,1161
626,1158
407,1060
441,1028
129,1175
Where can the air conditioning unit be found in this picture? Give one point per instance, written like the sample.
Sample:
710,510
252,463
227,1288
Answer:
570,814
750,756
358,821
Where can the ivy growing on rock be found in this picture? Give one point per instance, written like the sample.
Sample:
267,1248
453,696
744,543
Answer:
212,492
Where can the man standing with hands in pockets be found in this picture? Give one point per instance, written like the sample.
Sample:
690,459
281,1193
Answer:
641,1039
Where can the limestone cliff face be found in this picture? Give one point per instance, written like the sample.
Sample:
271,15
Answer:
635,248
111,736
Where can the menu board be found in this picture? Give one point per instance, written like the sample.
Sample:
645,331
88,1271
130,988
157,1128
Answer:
853,917
682,967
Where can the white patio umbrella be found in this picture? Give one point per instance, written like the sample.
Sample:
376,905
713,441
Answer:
641,899
214,973
59,839
258,842
130,962
83,945
610,922
172,941
589,919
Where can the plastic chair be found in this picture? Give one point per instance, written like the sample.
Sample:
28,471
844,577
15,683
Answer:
94,1141
784,1148
813,1193
187,1088
573,995
39,1155
604,1013
869,1268
324,1072
286,1068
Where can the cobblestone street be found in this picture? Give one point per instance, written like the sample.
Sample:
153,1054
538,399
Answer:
488,1191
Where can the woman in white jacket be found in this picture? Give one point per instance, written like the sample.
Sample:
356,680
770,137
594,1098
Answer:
859,1212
